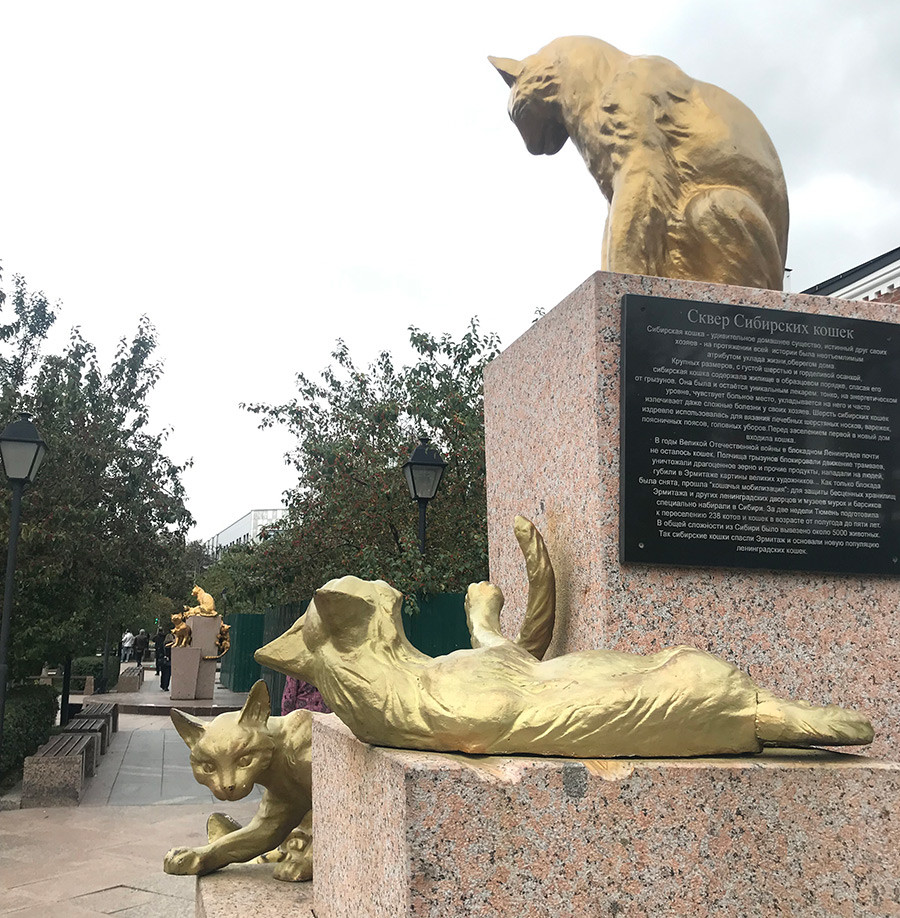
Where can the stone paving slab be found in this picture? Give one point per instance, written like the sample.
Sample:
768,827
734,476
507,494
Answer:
92,860
105,856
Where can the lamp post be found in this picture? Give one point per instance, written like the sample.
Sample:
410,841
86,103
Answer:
22,451
423,474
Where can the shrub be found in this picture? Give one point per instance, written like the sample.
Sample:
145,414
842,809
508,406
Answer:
93,666
30,713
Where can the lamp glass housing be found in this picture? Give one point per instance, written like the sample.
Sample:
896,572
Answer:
423,471
22,450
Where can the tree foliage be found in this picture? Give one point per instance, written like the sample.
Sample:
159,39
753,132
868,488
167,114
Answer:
350,511
104,522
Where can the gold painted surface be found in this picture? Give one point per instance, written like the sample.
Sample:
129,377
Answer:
694,185
181,629
223,642
498,699
206,605
229,755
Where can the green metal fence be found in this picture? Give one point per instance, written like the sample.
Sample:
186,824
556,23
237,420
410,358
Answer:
440,625
239,670
277,620
438,628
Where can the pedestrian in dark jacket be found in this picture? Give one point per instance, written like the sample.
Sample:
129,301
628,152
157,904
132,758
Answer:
159,640
141,643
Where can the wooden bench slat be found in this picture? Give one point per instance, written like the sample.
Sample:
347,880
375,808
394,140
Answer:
107,710
91,725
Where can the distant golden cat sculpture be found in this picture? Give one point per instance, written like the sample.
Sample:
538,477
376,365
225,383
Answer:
181,629
499,699
229,755
694,185
206,605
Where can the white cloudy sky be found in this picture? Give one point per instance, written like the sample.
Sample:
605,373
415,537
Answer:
263,178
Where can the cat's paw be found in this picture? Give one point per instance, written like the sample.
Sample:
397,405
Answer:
297,864
184,862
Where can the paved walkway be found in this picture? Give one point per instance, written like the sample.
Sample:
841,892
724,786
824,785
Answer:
105,856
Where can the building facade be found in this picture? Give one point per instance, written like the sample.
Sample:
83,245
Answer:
243,531
876,279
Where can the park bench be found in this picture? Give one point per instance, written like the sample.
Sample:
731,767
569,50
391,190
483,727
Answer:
98,725
107,709
130,679
55,775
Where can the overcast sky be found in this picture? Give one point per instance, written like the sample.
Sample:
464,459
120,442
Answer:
264,178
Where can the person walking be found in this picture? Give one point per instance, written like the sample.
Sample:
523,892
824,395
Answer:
127,645
141,643
159,643
165,673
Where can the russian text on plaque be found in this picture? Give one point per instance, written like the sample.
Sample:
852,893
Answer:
758,438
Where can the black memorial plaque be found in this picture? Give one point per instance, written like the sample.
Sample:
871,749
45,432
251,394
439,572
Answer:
758,438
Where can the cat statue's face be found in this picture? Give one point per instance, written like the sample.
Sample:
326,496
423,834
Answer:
233,752
534,101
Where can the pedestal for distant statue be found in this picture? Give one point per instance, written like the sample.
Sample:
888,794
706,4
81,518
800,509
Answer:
552,441
193,676
420,834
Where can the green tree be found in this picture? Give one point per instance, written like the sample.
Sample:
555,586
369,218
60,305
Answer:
351,511
104,522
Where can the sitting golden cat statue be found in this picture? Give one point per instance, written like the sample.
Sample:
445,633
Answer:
499,699
694,185
206,605
229,755
181,629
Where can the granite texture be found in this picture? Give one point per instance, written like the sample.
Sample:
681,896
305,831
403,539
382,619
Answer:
53,780
429,834
250,891
130,679
360,857
552,443
192,676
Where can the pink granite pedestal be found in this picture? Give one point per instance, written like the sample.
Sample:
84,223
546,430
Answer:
194,676
420,834
552,443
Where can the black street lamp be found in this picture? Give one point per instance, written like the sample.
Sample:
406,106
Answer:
423,475
22,451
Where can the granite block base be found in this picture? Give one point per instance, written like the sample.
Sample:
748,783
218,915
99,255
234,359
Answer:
800,833
250,891
54,780
552,450
194,676
130,680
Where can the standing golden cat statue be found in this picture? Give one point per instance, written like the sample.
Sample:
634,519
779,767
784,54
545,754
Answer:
694,185
231,754
500,699
181,629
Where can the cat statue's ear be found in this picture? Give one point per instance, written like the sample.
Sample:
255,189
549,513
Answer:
189,728
257,707
509,69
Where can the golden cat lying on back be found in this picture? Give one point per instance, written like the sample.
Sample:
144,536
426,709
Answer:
498,698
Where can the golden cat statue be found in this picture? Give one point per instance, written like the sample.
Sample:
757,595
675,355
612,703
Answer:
499,698
694,185
229,755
